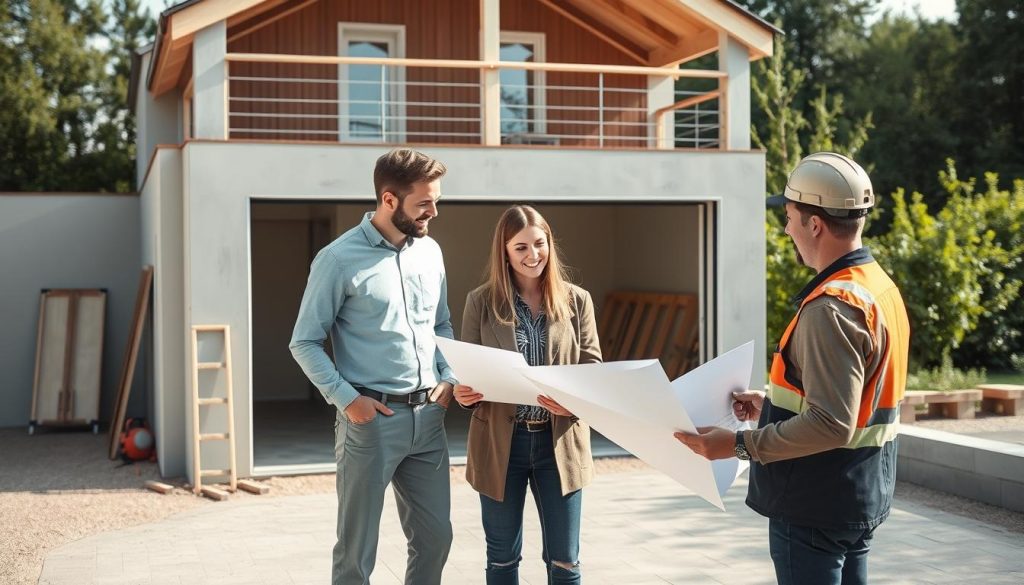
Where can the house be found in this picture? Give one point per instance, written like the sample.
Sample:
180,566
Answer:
259,122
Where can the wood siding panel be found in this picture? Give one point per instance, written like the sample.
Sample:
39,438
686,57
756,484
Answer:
446,29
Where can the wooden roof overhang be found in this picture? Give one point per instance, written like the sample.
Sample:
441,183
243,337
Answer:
654,33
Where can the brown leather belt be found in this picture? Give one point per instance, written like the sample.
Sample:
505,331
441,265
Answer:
534,426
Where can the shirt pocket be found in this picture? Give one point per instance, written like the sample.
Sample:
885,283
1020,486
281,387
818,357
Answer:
426,291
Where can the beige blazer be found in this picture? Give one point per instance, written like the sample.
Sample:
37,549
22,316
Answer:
491,427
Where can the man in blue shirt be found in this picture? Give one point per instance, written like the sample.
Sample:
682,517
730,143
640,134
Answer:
380,292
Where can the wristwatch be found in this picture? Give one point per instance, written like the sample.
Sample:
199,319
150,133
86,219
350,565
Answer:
741,447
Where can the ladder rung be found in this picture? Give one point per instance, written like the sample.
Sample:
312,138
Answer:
214,437
209,472
209,401
210,365
209,327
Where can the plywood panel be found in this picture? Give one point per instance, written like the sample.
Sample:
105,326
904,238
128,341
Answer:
69,357
87,358
54,314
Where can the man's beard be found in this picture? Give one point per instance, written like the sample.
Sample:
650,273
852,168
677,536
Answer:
799,258
407,225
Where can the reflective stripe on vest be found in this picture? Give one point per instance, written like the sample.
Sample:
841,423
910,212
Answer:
864,288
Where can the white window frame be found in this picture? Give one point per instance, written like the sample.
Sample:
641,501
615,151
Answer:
394,36
537,41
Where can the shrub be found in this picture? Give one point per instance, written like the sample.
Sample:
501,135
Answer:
945,378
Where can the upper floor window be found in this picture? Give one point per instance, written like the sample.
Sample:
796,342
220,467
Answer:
371,97
522,90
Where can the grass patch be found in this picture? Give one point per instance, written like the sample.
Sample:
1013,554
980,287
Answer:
1006,378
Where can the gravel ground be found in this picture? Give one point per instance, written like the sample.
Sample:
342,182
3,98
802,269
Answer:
58,487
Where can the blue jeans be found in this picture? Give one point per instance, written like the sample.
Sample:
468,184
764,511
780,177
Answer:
532,462
814,556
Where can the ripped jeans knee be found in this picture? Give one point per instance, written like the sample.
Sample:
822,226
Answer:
504,567
563,572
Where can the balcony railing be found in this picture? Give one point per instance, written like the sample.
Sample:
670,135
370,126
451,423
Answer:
351,99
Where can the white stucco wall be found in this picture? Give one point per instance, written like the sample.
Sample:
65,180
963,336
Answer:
162,224
220,178
66,241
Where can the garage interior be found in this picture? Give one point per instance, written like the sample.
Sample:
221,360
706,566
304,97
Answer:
653,247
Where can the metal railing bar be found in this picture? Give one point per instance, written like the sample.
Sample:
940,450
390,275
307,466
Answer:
283,100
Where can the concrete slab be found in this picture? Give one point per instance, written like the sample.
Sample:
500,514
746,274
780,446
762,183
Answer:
638,527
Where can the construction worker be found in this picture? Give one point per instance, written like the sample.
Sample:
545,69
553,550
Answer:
823,458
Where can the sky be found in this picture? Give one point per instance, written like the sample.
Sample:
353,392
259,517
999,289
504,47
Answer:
929,8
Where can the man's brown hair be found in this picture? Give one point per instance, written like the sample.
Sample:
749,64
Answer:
398,170
845,228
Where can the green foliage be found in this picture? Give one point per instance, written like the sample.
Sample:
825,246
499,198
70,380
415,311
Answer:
822,36
775,88
64,65
905,76
945,378
956,268
999,335
1017,363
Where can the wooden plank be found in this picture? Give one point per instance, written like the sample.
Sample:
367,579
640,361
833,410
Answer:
689,48
202,14
87,361
197,476
637,316
268,21
233,476
159,487
618,20
214,493
468,64
757,36
39,346
63,410
130,357
253,487
587,23
651,325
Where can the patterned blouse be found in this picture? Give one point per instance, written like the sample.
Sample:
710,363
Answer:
532,342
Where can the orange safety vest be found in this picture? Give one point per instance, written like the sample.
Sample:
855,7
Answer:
849,487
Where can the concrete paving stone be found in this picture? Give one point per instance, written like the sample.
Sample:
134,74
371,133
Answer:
662,536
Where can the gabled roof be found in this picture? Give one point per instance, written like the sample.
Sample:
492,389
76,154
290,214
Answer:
653,32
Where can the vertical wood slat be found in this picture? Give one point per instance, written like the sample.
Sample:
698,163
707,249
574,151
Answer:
629,319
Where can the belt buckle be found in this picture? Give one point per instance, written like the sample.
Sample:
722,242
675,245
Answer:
418,397
534,426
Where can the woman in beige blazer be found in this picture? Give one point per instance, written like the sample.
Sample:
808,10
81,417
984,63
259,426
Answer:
527,305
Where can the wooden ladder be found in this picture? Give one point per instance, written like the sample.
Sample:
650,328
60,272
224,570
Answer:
199,437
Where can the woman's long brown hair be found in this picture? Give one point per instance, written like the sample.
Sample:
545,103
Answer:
500,286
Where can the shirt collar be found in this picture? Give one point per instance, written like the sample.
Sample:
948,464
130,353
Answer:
374,237
524,309
857,257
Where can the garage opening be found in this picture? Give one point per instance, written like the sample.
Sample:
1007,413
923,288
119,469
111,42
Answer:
653,247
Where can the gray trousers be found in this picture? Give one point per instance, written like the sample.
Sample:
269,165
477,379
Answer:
409,450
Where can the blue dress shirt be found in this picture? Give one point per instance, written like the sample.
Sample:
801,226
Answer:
381,306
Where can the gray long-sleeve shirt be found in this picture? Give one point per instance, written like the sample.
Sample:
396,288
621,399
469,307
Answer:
832,353
381,307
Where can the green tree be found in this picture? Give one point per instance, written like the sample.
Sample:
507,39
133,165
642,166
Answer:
953,269
998,340
991,87
822,36
906,77
64,123
783,138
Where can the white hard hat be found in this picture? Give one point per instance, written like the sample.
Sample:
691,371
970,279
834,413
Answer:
831,181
